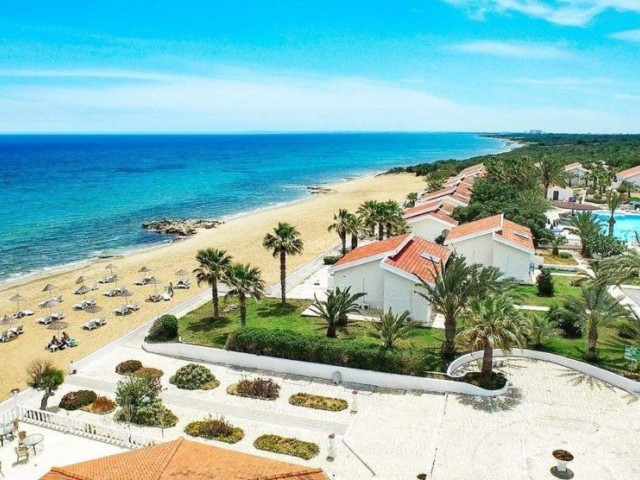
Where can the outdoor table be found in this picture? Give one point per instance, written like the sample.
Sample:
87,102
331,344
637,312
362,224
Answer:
33,440
5,430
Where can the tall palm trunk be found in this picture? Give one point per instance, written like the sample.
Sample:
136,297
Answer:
331,331
592,354
380,230
389,227
214,298
242,300
546,191
487,362
612,222
343,239
354,241
283,276
449,346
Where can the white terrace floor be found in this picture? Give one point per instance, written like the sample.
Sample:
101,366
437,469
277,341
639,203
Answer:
397,434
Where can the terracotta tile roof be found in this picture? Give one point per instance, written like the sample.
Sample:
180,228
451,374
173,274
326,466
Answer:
509,231
455,181
447,207
422,209
438,193
444,217
629,172
474,170
573,165
184,459
412,258
478,226
373,249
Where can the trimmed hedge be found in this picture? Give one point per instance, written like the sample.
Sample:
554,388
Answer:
215,429
149,372
78,399
297,346
318,402
194,377
163,329
287,446
259,388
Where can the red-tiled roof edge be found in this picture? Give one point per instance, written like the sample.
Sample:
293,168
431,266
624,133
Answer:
384,253
292,474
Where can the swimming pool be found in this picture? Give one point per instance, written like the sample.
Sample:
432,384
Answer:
626,224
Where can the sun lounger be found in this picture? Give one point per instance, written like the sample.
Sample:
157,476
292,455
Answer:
114,292
84,304
121,310
108,279
133,306
58,299
155,298
54,347
24,313
166,296
95,323
143,281
45,320
183,284
17,330
6,336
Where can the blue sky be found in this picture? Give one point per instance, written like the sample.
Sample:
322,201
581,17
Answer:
307,65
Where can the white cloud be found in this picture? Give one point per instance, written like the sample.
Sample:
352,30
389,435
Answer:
627,35
244,100
561,12
516,50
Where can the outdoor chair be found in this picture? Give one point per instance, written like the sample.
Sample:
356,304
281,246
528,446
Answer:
21,436
22,451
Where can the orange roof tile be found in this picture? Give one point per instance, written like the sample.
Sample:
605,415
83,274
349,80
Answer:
573,165
482,225
473,170
447,207
438,193
373,249
422,209
509,231
412,258
183,459
443,216
630,172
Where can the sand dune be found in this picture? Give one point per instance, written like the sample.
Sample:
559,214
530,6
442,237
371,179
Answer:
241,237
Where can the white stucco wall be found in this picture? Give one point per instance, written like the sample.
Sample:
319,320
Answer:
635,179
367,278
563,193
427,227
400,295
514,263
476,249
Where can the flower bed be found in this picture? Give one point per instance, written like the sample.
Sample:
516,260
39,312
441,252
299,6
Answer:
260,388
318,402
149,372
215,429
287,446
100,406
194,377
128,366
77,399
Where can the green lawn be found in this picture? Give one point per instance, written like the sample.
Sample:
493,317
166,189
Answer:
563,288
199,327
550,259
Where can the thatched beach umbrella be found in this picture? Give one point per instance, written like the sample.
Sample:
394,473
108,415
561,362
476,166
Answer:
49,287
83,290
17,298
9,320
93,309
110,267
182,273
50,304
58,325
144,270
81,279
154,282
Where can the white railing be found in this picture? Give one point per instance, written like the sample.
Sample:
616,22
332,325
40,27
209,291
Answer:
75,426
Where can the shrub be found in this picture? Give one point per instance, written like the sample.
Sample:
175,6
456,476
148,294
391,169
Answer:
331,259
318,402
193,377
366,356
150,414
76,400
164,329
565,255
628,329
215,429
262,388
150,372
128,366
287,446
100,406
545,283
566,321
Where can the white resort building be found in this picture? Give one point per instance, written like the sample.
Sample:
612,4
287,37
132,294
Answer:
430,220
389,272
631,175
495,241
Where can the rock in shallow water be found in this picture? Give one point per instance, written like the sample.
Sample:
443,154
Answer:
179,227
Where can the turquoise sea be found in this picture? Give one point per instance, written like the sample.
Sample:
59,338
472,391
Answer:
68,198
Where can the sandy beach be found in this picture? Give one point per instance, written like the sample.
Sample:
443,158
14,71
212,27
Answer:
241,237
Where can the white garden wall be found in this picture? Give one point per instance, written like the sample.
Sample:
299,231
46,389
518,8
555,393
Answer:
609,377
317,370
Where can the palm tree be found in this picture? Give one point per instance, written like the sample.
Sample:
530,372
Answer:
614,200
285,240
454,285
586,226
340,225
245,281
434,182
627,187
570,177
551,171
368,212
623,267
556,242
540,327
411,199
338,305
493,322
596,308
392,217
213,267
354,228
392,328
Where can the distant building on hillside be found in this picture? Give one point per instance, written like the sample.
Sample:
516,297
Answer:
631,175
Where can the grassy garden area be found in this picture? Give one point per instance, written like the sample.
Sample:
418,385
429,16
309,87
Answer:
563,288
562,259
